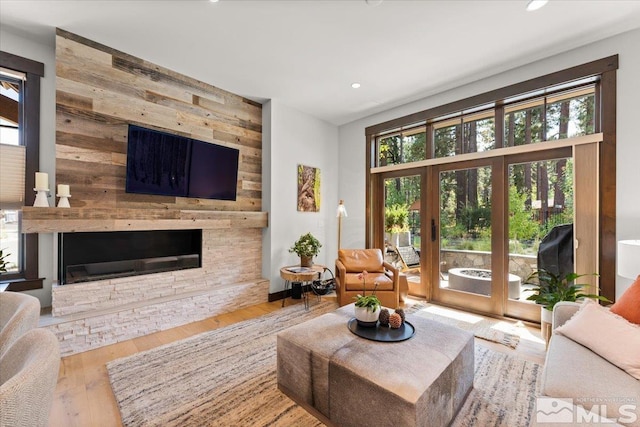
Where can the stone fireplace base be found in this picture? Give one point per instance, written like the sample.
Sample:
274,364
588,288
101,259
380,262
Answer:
88,330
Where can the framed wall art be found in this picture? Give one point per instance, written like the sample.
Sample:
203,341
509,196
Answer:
308,189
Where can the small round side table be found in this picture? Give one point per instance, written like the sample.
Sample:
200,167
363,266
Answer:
302,275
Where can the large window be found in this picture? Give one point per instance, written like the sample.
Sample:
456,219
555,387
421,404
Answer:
402,147
19,136
566,114
498,173
13,169
468,133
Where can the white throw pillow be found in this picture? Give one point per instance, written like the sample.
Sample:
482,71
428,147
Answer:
607,334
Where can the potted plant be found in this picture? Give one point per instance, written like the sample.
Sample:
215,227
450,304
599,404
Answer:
3,262
367,307
396,219
550,288
306,247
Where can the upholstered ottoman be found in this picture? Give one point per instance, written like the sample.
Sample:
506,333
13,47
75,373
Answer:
346,380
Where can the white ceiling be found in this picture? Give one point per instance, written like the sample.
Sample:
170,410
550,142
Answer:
307,53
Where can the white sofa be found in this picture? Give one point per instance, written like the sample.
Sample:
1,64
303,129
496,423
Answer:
28,377
573,371
19,313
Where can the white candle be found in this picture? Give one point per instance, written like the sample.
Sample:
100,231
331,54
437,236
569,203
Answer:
42,181
63,190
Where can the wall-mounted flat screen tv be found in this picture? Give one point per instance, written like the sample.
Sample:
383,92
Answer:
164,164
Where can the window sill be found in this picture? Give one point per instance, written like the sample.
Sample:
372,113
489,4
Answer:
19,285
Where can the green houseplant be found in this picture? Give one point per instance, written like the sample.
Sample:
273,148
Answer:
396,218
306,247
550,288
3,261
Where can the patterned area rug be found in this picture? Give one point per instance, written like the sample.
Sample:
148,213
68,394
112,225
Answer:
227,377
500,331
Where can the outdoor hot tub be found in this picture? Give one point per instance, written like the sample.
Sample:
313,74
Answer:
478,281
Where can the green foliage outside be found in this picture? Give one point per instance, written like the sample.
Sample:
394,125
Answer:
540,193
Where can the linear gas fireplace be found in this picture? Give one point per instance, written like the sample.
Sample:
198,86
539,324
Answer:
91,256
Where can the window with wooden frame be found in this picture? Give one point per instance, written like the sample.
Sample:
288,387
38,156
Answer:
567,104
20,143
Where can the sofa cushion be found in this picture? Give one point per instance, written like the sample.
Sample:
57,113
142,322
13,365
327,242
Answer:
628,305
607,334
573,371
353,283
359,260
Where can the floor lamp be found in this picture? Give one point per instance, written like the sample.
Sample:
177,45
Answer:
629,258
341,212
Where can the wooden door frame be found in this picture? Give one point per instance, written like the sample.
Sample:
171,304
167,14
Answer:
606,70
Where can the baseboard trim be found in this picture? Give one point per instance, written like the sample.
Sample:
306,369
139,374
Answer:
286,293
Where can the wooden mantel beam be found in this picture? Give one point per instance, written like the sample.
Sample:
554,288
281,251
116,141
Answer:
57,220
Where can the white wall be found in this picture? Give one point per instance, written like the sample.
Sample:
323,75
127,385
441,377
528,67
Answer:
36,51
294,138
352,138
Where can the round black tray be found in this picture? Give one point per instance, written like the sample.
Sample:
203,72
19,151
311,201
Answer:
382,333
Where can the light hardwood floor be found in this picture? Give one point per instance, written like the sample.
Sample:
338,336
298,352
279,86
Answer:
83,395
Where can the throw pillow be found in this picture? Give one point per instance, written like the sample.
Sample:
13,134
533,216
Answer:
607,334
628,305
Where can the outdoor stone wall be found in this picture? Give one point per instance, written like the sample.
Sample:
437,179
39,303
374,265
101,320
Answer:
520,265
85,333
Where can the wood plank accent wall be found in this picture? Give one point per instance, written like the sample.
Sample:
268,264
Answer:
99,91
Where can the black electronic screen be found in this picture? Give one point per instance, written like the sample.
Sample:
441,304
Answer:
164,164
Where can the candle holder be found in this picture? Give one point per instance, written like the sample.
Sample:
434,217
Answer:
41,198
64,201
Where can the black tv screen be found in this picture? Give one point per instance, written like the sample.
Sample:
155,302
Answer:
171,165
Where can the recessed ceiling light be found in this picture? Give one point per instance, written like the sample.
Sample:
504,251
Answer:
535,4
355,85
214,1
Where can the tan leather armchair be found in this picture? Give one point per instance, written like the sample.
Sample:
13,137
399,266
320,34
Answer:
352,262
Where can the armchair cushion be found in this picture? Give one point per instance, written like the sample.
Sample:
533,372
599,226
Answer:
359,260
352,283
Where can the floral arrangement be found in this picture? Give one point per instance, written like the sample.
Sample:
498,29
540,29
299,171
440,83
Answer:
371,302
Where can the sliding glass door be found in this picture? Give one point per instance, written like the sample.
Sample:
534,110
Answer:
540,196
463,250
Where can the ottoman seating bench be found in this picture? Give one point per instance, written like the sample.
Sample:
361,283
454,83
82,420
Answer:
346,380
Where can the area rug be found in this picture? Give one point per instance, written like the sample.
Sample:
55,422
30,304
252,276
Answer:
227,377
503,332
